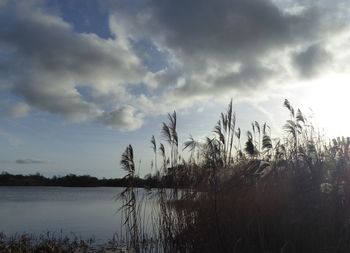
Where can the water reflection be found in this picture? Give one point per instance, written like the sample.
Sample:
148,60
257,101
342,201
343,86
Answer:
85,212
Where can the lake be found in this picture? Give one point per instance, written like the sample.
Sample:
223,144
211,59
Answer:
85,212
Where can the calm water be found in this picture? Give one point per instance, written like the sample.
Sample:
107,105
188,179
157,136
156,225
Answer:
83,211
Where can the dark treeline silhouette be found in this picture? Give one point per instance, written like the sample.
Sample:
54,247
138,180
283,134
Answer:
72,180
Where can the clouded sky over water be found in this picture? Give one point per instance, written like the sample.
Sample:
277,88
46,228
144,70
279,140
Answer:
81,79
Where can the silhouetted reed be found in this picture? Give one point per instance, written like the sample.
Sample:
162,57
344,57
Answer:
287,194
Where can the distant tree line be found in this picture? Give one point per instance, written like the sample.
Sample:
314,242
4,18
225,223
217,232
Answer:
71,180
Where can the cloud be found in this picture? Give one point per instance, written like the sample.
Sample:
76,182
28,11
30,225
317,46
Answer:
29,161
48,64
228,29
311,61
123,118
204,41
161,53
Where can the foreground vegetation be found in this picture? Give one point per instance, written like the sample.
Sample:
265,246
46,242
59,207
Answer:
288,194
56,243
235,194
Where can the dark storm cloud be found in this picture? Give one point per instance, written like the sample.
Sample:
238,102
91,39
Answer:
311,61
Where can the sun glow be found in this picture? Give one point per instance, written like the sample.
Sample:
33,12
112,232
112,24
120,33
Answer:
329,100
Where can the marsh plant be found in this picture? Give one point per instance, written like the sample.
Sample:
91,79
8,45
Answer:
247,194
48,243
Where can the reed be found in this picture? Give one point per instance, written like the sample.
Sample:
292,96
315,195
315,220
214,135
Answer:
287,194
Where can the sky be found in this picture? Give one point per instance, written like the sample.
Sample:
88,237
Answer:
82,79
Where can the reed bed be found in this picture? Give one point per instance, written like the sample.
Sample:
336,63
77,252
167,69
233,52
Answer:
253,194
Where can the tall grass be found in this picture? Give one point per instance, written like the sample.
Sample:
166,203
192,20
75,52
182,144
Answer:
287,194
